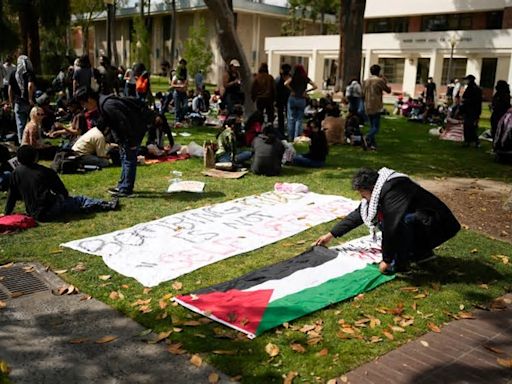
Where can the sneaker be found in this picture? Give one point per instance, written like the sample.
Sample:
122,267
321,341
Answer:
113,190
114,203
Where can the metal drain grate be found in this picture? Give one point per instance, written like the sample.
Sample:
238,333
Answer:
19,282
3,295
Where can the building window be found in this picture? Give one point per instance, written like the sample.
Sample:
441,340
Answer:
388,25
458,69
167,24
393,69
494,20
422,71
488,74
446,22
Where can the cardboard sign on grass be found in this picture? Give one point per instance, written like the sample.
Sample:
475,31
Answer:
169,247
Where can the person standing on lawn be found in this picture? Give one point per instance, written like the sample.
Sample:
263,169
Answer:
413,221
45,196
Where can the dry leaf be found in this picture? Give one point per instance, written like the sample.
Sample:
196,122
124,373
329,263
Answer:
105,339
145,309
104,277
60,271
114,295
163,304
177,330
388,335
425,343
410,289
4,368
145,291
167,296
414,306
374,322
395,328
177,285
498,304
19,294
85,297
420,296
465,315
79,341
484,286
8,265
314,340
196,360
175,349
223,352
3,304
192,323
125,286
288,379
375,339
213,378
507,363
161,336
474,250
323,352
307,328
434,328
272,349
55,251
494,349
297,347
80,267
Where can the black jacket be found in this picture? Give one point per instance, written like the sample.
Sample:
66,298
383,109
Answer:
127,118
398,197
37,186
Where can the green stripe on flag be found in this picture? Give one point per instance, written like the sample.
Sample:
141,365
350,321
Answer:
312,299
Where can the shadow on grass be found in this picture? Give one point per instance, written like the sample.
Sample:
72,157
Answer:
184,196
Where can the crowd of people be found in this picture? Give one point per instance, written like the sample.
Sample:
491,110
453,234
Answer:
102,114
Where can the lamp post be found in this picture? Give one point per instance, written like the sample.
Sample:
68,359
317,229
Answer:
110,8
453,42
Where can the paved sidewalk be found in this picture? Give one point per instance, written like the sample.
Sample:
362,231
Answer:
457,355
36,330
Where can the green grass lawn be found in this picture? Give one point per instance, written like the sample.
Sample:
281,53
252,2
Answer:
466,273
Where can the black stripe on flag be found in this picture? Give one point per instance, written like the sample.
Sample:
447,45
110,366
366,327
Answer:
313,257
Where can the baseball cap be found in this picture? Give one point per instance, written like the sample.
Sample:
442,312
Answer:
234,63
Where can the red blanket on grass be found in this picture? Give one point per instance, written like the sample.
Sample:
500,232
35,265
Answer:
166,159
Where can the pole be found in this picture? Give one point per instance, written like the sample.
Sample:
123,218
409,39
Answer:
449,74
109,31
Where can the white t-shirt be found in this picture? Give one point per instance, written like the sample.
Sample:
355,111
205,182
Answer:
91,143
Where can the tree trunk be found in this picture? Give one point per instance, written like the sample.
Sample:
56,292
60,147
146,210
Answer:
323,29
32,37
173,34
230,46
351,41
115,57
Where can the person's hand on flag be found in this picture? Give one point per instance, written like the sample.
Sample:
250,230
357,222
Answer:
323,240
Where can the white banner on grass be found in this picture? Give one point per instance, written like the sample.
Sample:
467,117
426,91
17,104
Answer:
164,249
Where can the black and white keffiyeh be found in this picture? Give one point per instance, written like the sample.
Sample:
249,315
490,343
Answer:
23,66
368,210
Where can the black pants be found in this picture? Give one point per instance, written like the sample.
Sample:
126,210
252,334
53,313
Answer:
470,128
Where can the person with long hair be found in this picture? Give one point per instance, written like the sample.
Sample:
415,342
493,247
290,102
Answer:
32,135
500,104
298,86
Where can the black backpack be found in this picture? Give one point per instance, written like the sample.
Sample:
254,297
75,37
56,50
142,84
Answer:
65,162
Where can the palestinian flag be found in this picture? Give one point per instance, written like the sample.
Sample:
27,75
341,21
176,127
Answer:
270,296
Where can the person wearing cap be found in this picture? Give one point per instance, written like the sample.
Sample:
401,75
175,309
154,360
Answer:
471,109
45,196
233,94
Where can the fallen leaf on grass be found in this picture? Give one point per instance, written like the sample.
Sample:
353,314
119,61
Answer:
80,267
272,349
196,360
507,363
161,336
395,328
79,341
425,343
105,339
55,251
322,352
145,291
8,265
213,378
375,339
504,259
176,349
177,330
483,286
388,335
114,295
67,290
177,285
223,352
300,242
85,297
409,289
163,304
465,315
125,286
474,250
192,323
434,328
306,328
104,277
60,271
145,309
145,332
494,349
288,379
297,347
374,322
420,296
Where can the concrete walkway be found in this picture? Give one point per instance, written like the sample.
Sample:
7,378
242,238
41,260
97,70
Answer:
36,330
465,351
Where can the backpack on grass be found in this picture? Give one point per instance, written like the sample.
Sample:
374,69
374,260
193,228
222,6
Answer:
65,162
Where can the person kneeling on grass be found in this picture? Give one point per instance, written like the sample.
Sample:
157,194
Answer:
45,196
413,221
318,149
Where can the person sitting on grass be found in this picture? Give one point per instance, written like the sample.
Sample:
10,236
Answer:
268,153
226,147
318,149
413,221
32,135
45,196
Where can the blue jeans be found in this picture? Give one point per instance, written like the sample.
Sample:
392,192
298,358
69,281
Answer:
180,105
374,129
296,107
21,112
239,158
303,161
128,168
73,204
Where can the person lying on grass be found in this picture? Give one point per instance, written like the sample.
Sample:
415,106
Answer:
45,196
413,221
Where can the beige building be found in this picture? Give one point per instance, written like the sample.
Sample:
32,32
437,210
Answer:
413,40
255,21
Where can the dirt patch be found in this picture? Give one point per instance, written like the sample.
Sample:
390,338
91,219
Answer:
481,205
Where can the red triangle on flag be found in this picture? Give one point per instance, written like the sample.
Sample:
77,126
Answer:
243,309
